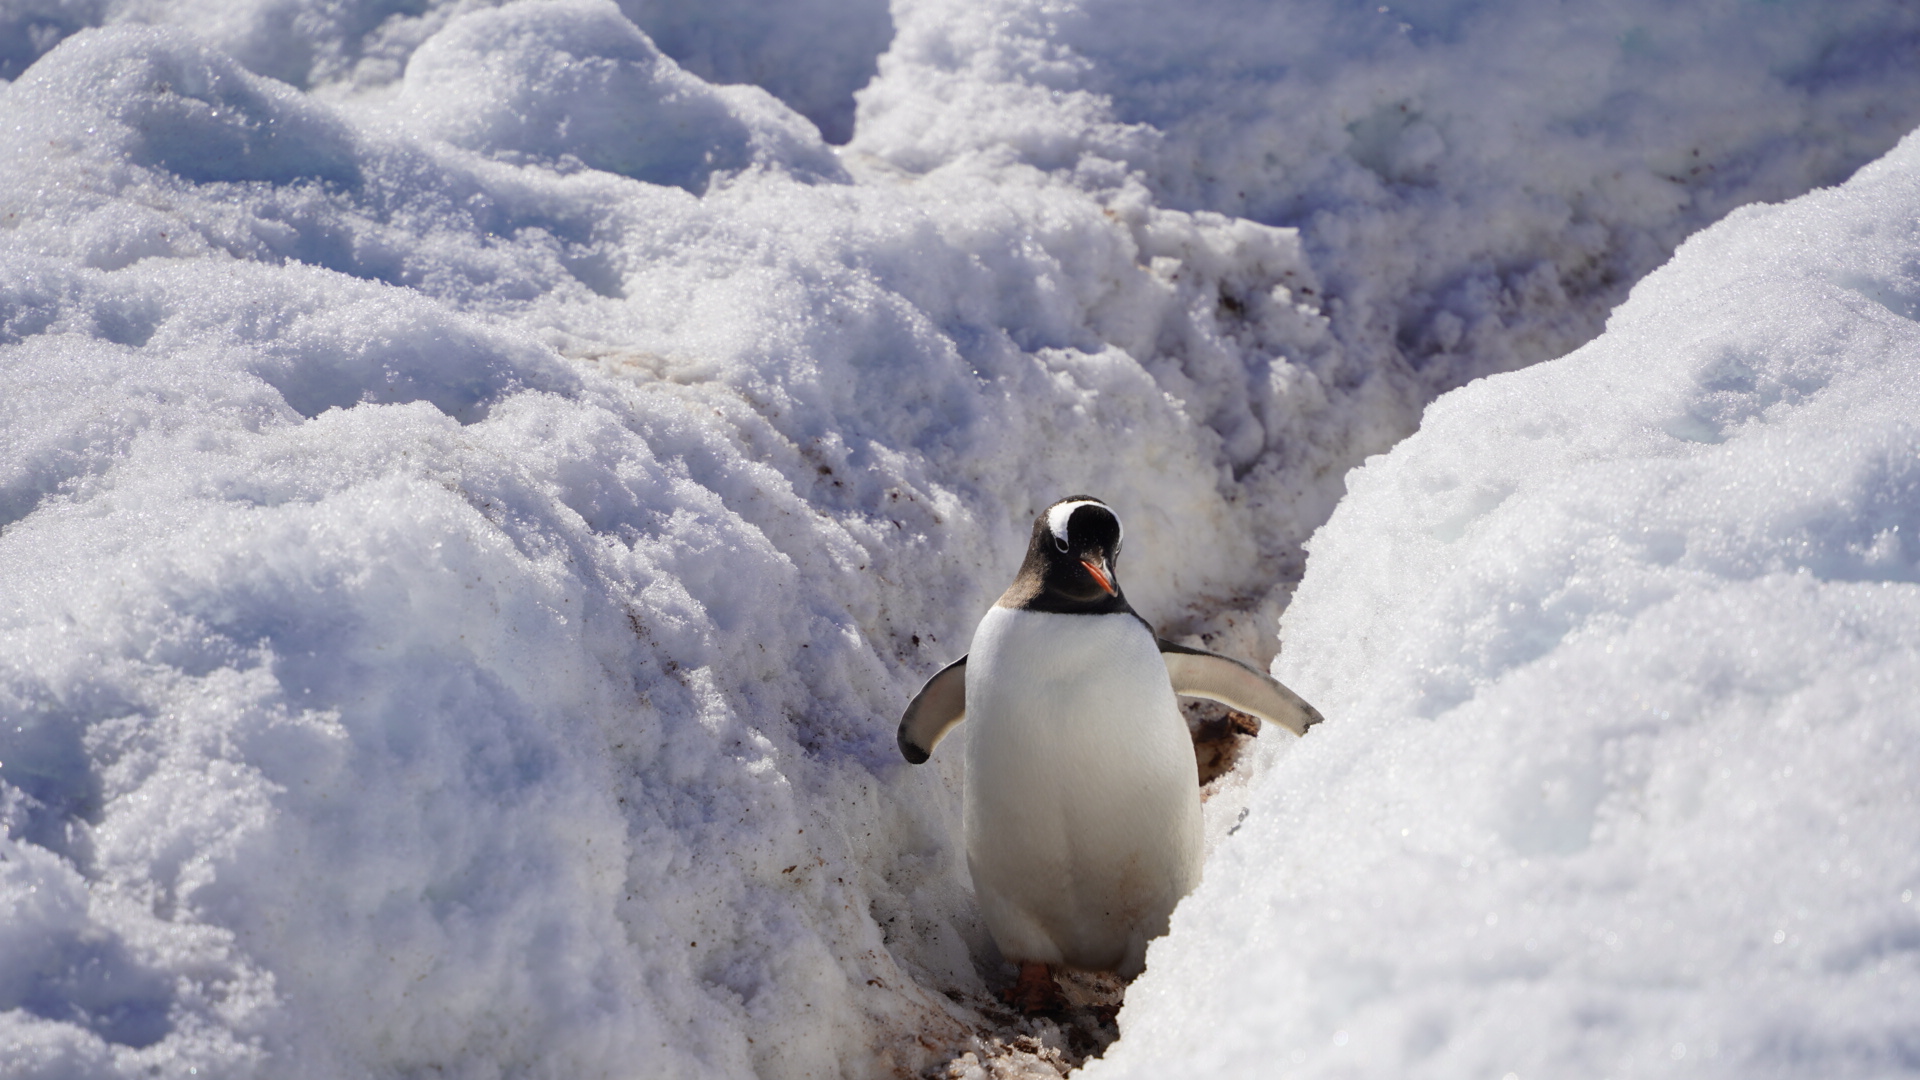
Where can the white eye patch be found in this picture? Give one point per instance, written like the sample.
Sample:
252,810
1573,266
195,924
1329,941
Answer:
1058,516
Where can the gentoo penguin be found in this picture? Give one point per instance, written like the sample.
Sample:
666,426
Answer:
1082,795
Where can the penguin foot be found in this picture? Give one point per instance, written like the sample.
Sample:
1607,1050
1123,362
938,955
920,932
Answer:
1036,992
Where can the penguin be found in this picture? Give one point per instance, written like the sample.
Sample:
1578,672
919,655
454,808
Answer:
1082,812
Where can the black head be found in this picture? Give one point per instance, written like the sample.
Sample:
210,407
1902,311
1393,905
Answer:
1071,558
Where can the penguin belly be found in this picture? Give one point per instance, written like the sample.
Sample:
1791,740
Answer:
1082,796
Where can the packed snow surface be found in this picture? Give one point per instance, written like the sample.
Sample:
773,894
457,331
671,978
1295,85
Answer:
479,482
1622,769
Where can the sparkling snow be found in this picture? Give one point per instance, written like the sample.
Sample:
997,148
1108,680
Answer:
479,482
1622,650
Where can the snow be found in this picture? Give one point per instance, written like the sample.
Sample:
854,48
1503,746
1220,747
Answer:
568,81
476,492
1619,653
1477,183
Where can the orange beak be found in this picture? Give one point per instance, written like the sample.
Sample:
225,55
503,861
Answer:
1098,568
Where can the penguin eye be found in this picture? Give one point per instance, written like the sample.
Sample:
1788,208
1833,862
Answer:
1061,543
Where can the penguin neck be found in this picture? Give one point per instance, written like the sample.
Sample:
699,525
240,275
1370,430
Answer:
1029,592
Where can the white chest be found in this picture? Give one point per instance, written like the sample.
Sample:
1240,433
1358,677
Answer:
1045,680
1083,804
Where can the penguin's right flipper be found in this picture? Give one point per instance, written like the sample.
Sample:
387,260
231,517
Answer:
1198,673
933,712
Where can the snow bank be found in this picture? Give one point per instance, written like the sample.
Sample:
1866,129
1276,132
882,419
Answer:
458,598
1477,184
1618,655
474,497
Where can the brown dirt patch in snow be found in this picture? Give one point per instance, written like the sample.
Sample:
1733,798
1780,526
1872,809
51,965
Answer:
1013,1046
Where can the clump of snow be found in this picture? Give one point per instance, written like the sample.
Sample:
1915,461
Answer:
1618,655
563,80
465,542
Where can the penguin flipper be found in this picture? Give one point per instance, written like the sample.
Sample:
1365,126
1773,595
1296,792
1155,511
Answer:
933,712
1198,673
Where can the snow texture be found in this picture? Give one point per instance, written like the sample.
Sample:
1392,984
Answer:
1477,183
1619,656
479,482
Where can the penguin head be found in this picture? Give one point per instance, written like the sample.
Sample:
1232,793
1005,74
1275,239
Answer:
1071,558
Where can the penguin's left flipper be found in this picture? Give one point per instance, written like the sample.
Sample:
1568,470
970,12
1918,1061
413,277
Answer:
1198,673
933,712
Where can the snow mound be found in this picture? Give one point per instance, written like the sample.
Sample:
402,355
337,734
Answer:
573,79
1618,656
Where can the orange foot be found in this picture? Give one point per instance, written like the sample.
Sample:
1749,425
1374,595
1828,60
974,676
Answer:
1036,992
